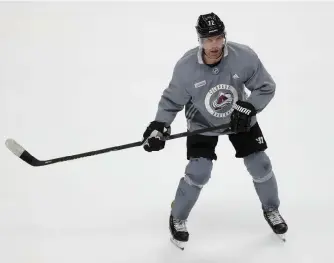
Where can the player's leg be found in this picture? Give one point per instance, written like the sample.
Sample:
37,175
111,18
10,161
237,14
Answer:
251,147
200,153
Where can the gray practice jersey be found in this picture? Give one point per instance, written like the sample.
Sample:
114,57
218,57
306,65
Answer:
208,93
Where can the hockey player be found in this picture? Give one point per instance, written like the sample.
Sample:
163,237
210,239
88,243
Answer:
209,82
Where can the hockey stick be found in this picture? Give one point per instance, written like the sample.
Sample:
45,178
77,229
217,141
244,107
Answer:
24,155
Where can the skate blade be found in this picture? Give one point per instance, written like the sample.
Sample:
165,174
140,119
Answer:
178,244
282,237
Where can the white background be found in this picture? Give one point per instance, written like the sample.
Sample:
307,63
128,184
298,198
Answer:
80,77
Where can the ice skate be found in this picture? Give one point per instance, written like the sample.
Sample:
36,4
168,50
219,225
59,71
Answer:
179,233
277,223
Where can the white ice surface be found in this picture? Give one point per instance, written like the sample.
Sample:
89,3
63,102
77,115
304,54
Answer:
80,77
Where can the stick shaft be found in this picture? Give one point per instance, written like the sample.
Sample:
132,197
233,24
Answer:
30,159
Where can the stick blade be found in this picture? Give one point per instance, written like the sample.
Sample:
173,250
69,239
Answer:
14,147
22,153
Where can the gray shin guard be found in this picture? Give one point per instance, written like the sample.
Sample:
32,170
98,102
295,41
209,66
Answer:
259,166
197,174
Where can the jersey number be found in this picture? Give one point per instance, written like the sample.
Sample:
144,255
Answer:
260,140
211,23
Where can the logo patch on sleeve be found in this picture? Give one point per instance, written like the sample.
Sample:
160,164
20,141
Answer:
200,84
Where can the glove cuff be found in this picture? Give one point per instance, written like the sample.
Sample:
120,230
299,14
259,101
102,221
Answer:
157,125
245,108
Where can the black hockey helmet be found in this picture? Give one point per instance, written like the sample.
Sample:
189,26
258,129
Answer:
209,25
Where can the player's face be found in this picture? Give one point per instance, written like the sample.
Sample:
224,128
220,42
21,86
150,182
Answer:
213,46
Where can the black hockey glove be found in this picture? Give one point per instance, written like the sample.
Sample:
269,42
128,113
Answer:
154,136
241,116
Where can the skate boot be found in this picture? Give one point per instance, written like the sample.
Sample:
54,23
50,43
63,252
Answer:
178,231
276,222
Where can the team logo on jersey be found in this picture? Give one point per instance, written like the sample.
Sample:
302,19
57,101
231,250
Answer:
215,70
219,100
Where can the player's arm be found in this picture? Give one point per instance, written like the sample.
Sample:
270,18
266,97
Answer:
172,101
173,98
261,85
262,88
